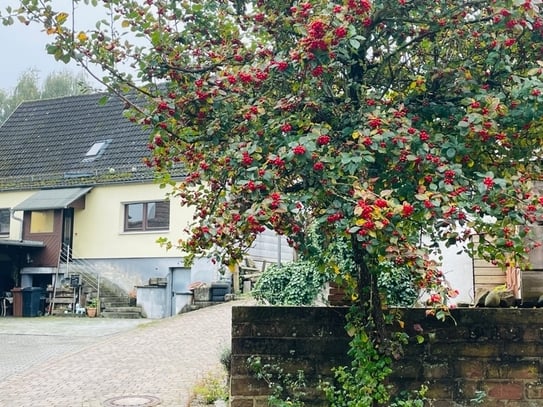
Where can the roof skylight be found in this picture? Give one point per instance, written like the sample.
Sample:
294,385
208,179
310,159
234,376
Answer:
96,150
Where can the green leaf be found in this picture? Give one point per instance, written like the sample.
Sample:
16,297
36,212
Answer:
354,43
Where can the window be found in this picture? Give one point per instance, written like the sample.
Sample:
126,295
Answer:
147,216
42,221
4,222
96,150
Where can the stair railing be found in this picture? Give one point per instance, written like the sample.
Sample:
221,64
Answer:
88,272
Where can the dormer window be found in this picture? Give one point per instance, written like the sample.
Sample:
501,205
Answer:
96,150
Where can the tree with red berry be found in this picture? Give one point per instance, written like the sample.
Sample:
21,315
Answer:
377,121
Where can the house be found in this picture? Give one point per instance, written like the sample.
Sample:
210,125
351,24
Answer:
76,199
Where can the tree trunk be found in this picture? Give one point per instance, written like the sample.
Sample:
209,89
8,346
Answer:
369,298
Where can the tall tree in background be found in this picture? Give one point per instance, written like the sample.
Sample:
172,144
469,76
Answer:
379,122
64,83
5,109
56,84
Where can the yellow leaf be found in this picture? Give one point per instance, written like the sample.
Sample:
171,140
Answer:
61,17
82,36
401,323
356,134
51,30
125,24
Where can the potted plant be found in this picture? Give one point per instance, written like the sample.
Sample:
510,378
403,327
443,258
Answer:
92,305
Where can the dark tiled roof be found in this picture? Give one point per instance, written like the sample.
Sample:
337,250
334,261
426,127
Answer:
43,144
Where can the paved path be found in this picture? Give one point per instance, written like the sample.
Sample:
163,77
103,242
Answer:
84,362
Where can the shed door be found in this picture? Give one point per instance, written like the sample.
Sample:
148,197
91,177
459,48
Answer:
180,280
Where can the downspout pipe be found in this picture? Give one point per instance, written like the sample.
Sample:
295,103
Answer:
19,220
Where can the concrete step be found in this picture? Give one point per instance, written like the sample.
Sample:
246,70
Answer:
114,302
122,312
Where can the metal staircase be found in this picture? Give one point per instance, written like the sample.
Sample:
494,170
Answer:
114,302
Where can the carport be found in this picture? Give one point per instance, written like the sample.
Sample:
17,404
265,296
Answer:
14,255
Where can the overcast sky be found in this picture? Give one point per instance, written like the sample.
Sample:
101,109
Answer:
23,47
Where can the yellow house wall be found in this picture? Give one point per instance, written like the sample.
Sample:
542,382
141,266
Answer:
98,229
8,201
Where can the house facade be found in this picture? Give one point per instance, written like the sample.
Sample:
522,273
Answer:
77,198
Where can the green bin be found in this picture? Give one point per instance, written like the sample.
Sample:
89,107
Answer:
31,301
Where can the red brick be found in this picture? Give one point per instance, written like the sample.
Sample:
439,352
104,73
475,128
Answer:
505,390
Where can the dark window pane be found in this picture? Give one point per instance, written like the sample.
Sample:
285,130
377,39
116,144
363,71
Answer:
4,221
158,215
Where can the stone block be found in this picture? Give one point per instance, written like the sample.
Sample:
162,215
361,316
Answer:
534,391
245,386
470,368
407,368
519,369
523,349
433,371
465,390
241,402
440,389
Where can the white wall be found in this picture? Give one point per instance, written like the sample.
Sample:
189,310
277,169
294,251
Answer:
458,271
272,248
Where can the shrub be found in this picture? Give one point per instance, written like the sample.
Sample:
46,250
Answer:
397,288
296,283
212,387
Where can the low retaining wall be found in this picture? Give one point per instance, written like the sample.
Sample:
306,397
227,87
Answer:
498,351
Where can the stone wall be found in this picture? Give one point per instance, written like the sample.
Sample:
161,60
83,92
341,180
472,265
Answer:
498,351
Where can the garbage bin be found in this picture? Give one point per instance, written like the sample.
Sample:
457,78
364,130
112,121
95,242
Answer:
219,290
17,302
31,301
